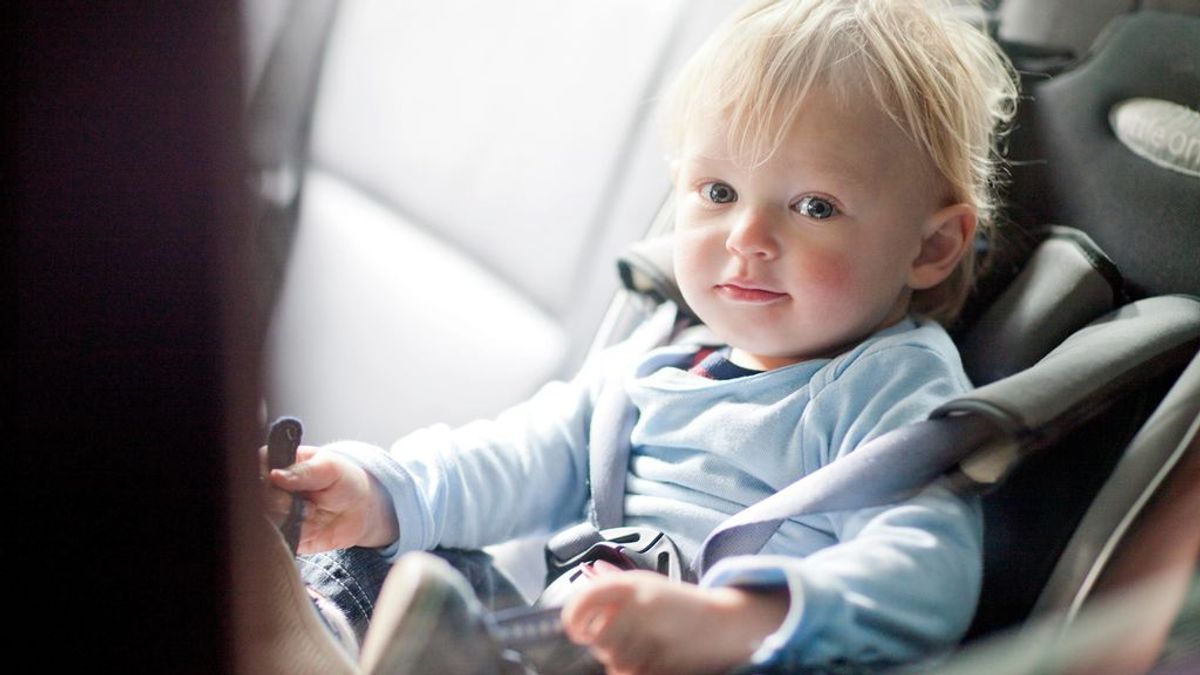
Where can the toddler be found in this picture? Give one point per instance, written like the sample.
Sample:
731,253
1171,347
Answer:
833,165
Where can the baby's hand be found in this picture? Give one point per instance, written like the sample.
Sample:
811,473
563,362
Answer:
640,622
343,505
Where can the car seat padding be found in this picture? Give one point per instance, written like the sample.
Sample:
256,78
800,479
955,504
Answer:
1069,166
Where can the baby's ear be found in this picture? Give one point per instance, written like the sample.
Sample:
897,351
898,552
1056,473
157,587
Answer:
945,238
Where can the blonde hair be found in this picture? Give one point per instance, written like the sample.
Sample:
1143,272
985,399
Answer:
942,80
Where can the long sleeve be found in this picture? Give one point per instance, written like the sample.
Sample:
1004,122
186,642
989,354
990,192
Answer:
489,481
902,581
901,584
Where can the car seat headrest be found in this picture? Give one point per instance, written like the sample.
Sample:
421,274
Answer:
1066,282
647,268
1139,201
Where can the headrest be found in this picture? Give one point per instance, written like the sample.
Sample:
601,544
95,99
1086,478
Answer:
1066,282
647,269
1111,146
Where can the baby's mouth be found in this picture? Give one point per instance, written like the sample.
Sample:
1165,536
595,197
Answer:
741,292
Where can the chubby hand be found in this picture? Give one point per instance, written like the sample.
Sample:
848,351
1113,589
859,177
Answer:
343,505
639,622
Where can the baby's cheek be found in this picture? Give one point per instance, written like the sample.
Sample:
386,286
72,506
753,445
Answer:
693,261
829,273
836,284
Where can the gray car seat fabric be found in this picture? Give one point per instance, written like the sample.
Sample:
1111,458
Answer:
1066,282
474,169
1071,26
1069,166
1169,434
1123,605
285,52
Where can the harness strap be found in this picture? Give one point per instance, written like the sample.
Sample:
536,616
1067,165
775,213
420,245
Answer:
612,422
890,468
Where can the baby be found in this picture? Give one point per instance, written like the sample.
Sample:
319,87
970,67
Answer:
833,165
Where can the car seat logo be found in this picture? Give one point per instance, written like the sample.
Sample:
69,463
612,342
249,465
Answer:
1167,134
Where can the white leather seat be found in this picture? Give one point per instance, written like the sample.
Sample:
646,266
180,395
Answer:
475,169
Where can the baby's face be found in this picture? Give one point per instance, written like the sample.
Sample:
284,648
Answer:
811,251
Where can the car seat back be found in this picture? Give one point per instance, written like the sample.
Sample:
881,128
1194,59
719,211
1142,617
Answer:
1072,166
285,48
1069,26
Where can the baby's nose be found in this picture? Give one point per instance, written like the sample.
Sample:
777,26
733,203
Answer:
753,235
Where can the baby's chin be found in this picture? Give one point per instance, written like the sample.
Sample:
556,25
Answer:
774,355
770,359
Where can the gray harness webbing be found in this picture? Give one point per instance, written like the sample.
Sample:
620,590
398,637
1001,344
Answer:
984,433
612,421
885,470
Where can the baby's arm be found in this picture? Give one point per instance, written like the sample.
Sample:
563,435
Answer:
902,585
465,487
641,622
493,480
343,505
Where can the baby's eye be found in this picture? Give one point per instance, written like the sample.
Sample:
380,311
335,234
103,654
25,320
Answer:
718,193
817,208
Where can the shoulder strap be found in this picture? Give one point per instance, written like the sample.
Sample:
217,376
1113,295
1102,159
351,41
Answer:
612,422
887,469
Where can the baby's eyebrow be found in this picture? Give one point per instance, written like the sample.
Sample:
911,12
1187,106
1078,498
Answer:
702,159
842,177
815,175
839,177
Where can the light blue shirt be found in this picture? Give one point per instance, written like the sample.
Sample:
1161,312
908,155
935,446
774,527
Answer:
877,585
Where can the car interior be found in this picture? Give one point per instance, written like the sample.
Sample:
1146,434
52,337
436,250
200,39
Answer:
229,213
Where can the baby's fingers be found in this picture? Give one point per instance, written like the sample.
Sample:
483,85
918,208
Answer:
278,503
308,475
589,612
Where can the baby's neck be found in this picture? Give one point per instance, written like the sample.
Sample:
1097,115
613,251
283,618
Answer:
745,359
